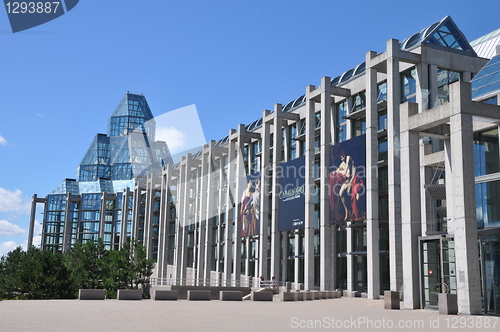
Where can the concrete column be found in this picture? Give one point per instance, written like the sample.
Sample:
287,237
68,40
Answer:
246,243
275,235
464,211
183,217
240,179
284,261
124,222
372,217
450,196
410,208
466,76
423,86
164,222
394,177
136,213
32,221
264,196
286,139
232,204
310,188
296,260
67,226
327,260
350,265
433,86
204,216
149,216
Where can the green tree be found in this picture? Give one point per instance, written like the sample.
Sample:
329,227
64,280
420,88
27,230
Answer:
119,272
88,265
35,274
142,266
10,267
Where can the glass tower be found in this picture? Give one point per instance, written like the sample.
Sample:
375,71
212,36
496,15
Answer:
99,202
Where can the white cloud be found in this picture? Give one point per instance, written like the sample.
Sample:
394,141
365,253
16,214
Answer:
5,247
3,141
12,201
180,129
9,229
175,138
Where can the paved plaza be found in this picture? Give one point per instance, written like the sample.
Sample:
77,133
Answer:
345,314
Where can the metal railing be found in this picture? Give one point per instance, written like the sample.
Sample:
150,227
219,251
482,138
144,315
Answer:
250,282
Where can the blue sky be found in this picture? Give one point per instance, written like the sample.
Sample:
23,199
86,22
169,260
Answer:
61,81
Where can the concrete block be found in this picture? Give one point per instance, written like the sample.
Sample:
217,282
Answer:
353,294
308,296
198,295
336,294
262,296
391,300
165,295
300,296
324,295
288,296
92,294
448,304
230,295
129,294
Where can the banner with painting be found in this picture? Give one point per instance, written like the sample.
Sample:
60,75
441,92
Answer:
347,180
250,206
291,194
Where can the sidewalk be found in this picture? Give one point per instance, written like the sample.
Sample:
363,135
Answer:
345,314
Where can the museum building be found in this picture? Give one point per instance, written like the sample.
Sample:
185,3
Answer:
385,177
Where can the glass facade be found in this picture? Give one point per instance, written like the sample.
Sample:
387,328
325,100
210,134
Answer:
114,162
487,80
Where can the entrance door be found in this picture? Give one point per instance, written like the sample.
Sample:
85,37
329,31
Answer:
490,272
437,269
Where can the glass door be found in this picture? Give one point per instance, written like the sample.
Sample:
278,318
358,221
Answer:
437,269
490,272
